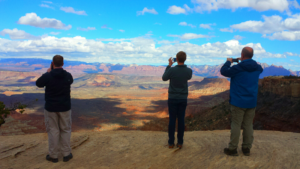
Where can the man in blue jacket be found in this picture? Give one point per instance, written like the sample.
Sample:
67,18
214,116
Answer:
243,99
57,109
178,93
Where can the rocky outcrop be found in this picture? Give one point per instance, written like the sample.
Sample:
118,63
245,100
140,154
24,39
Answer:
285,87
142,70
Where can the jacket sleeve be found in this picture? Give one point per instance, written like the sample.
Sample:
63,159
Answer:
42,81
71,78
190,75
167,75
228,71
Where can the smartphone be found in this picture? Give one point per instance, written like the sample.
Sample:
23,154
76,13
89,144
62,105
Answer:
235,60
174,60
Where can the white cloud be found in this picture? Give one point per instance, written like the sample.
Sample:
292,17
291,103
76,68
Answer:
122,30
284,35
175,10
46,6
86,29
189,36
238,37
186,24
72,10
207,26
54,33
157,23
17,34
105,27
259,5
126,51
273,27
146,10
33,20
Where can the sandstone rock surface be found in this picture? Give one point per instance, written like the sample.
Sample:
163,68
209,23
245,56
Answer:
138,149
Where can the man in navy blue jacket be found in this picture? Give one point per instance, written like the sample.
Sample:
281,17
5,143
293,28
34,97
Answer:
243,99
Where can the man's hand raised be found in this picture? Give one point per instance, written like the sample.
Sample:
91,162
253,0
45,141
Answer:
171,61
230,60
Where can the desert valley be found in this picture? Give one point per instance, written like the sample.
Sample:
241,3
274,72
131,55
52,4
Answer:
131,97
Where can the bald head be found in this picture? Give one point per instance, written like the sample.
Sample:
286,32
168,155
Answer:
247,52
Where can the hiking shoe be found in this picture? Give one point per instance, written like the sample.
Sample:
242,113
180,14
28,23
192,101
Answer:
171,145
246,151
230,152
67,158
179,146
54,160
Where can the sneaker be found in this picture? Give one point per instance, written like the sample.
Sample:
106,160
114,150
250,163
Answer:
171,145
67,158
246,151
54,160
230,152
179,146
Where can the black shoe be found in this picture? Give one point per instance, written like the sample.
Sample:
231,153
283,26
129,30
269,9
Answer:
54,160
246,151
179,146
67,158
230,152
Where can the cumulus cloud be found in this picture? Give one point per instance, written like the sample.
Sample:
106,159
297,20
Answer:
238,37
186,24
46,6
54,33
175,10
207,26
146,10
272,27
122,30
189,36
105,27
72,10
259,5
86,29
33,20
138,50
226,30
17,34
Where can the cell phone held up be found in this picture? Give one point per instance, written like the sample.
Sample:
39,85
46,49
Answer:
235,60
174,60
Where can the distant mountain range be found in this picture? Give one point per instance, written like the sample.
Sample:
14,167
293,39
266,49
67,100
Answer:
78,68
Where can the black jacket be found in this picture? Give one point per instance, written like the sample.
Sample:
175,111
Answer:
58,88
179,76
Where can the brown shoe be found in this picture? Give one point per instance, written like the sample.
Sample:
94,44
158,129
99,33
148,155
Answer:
171,145
179,146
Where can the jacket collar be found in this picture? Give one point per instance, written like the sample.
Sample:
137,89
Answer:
180,66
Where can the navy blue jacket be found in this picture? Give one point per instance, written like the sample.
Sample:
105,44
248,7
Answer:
58,88
243,83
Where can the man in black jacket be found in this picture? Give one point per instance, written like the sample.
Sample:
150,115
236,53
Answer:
57,109
178,92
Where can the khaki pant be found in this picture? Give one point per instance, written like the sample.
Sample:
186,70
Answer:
241,117
58,126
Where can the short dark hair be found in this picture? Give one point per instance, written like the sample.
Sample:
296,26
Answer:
181,57
58,61
247,53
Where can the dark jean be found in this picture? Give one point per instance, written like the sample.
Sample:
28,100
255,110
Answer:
177,109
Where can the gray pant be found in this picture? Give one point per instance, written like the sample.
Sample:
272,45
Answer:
58,126
241,117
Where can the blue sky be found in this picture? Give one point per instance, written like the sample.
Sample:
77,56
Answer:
149,32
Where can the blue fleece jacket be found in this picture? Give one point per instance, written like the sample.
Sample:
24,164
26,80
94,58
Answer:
243,82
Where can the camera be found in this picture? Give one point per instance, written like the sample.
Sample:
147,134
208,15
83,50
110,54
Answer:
174,60
235,60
